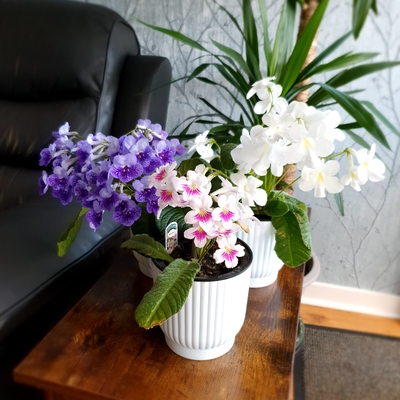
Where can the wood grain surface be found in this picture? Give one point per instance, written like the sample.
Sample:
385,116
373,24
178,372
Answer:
98,352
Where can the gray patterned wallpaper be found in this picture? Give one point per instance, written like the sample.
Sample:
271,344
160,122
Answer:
358,250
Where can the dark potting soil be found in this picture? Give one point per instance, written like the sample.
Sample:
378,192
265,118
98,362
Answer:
209,267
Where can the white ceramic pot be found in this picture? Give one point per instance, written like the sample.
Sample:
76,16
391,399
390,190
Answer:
212,315
266,264
145,264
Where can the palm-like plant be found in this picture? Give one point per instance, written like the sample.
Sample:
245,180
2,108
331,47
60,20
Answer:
291,61
285,59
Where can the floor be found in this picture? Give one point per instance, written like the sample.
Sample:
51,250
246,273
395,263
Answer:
331,318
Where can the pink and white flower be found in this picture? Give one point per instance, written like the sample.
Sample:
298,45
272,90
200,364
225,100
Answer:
228,251
201,212
227,212
198,234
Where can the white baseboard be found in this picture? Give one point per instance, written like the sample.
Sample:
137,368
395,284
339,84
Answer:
352,299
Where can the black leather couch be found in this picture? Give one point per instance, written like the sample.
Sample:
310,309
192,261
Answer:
59,61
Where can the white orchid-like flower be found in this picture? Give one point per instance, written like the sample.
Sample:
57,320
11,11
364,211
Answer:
352,179
320,178
243,155
370,168
304,146
203,145
249,189
268,93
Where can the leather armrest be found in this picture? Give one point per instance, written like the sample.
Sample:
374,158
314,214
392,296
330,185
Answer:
143,92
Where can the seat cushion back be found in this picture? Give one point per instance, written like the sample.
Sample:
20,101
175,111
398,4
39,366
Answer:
60,61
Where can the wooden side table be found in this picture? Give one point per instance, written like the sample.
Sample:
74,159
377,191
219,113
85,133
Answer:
98,352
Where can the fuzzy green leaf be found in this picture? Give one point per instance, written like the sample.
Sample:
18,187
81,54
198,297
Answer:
293,237
168,294
147,246
190,164
226,157
276,208
70,234
171,214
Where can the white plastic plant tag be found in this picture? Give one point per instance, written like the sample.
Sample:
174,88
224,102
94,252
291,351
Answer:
171,236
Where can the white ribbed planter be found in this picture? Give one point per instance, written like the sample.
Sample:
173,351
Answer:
145,264
212,315
266,264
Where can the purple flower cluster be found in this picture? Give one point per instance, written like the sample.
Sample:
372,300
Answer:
108,173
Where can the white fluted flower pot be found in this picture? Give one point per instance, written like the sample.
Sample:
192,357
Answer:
145,264
266,264
213,314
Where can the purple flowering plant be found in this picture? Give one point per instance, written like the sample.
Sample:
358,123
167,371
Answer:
139,170
105,173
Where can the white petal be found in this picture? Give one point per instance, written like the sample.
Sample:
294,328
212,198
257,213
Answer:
331,168
333,185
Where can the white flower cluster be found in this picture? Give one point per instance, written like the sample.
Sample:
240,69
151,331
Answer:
298,134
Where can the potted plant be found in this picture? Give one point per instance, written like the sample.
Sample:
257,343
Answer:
105,173
266,81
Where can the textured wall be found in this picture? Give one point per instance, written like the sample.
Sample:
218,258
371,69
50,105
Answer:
360,249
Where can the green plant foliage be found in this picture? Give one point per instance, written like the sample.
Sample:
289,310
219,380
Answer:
293,238
170,214
147,246
70,234
168,295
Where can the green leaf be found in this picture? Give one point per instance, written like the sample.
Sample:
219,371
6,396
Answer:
349,75
380,116
237,57
177,36
307,71
168,294
218,112
342,61
70,234
171,214
358,139
276,208
360,13
283,40
197,71
339,202
190,164
146,223
351,125
226,157
147,246
251,40
359,113
301,49
293,237
264,20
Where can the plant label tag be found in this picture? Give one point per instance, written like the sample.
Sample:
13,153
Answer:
171,236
